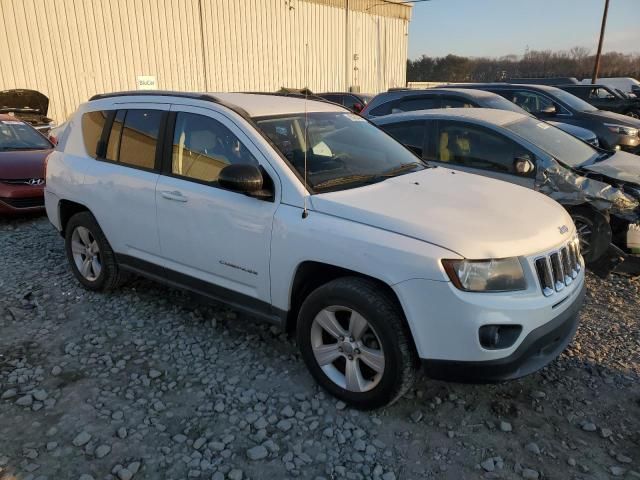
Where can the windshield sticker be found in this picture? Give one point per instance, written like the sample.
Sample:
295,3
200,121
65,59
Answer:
11,122
543,125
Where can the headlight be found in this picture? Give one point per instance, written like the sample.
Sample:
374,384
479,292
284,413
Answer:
622,129
494,275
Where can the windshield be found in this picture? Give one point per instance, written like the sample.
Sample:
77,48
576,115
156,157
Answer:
573,101
343,149
17,135
562,146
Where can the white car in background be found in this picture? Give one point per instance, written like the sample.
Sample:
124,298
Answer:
308,216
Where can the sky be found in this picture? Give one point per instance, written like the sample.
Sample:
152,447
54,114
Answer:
501,27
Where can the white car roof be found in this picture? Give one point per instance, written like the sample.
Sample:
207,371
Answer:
257,105
254,104
489,115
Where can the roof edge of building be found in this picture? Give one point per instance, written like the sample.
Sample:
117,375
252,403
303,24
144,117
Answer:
384,8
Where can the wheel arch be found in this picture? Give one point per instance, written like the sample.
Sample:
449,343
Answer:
310,275
66,210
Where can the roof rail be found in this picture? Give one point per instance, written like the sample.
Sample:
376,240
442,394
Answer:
169,93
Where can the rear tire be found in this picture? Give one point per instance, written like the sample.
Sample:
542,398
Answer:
89,254
357,332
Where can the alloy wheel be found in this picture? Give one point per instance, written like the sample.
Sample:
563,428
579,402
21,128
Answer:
584,228
347,349
86,253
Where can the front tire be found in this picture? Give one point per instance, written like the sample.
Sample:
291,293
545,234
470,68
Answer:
593,230
356,344
89,254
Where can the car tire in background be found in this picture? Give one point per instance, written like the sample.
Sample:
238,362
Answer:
355,341
89,254
593,230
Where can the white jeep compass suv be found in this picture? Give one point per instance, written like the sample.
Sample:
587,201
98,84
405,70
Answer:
308,216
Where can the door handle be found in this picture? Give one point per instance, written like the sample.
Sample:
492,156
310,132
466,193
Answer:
176,196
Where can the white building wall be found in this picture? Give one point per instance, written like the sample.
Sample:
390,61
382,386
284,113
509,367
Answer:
73,49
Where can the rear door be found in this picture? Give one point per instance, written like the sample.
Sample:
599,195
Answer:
122,181
476,149
215,240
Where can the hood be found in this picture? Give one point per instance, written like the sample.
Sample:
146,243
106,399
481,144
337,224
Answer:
22,164
611,117
474,216
620,166
27,101
578,132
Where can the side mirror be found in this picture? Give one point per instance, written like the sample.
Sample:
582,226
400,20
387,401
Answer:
357,107
243,178
523,165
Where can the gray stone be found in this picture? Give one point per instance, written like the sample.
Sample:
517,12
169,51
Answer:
623,458
25,401
505,427
124,474
257,453
617,471
533,448
154,373
530,474
488,465
235,474
179,438
589,427
81,439
102,451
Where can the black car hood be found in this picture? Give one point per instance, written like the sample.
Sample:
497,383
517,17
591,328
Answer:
611,117
23,101
621,166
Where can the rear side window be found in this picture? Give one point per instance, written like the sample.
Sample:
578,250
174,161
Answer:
456,103
133,139
410,134
412,104
92,126
384,109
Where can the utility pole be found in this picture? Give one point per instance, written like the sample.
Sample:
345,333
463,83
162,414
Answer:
596,67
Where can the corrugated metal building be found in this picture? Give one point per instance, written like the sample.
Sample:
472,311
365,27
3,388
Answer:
72,49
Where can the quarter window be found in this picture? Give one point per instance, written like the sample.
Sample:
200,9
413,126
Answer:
455,103
92,126
203,146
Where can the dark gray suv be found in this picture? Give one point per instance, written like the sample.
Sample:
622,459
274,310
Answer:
614,131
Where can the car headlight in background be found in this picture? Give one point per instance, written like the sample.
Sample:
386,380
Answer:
493,275
622,129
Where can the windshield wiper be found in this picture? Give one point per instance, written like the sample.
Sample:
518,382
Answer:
367,179
348,179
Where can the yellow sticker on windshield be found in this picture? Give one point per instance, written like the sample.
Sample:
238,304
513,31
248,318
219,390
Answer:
543,125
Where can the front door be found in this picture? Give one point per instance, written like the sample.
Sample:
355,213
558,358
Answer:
215,239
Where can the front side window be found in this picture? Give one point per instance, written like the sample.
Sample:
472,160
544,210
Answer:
92,126
476,147
17,135
203,146
410,134
342,150
532,102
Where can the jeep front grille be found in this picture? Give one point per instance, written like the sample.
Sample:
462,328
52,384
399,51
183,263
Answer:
558,269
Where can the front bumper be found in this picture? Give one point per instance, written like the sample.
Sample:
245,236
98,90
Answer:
17,199
539,348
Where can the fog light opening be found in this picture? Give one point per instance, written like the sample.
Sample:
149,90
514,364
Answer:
494,337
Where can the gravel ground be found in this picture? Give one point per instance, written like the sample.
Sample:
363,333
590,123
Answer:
146,383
